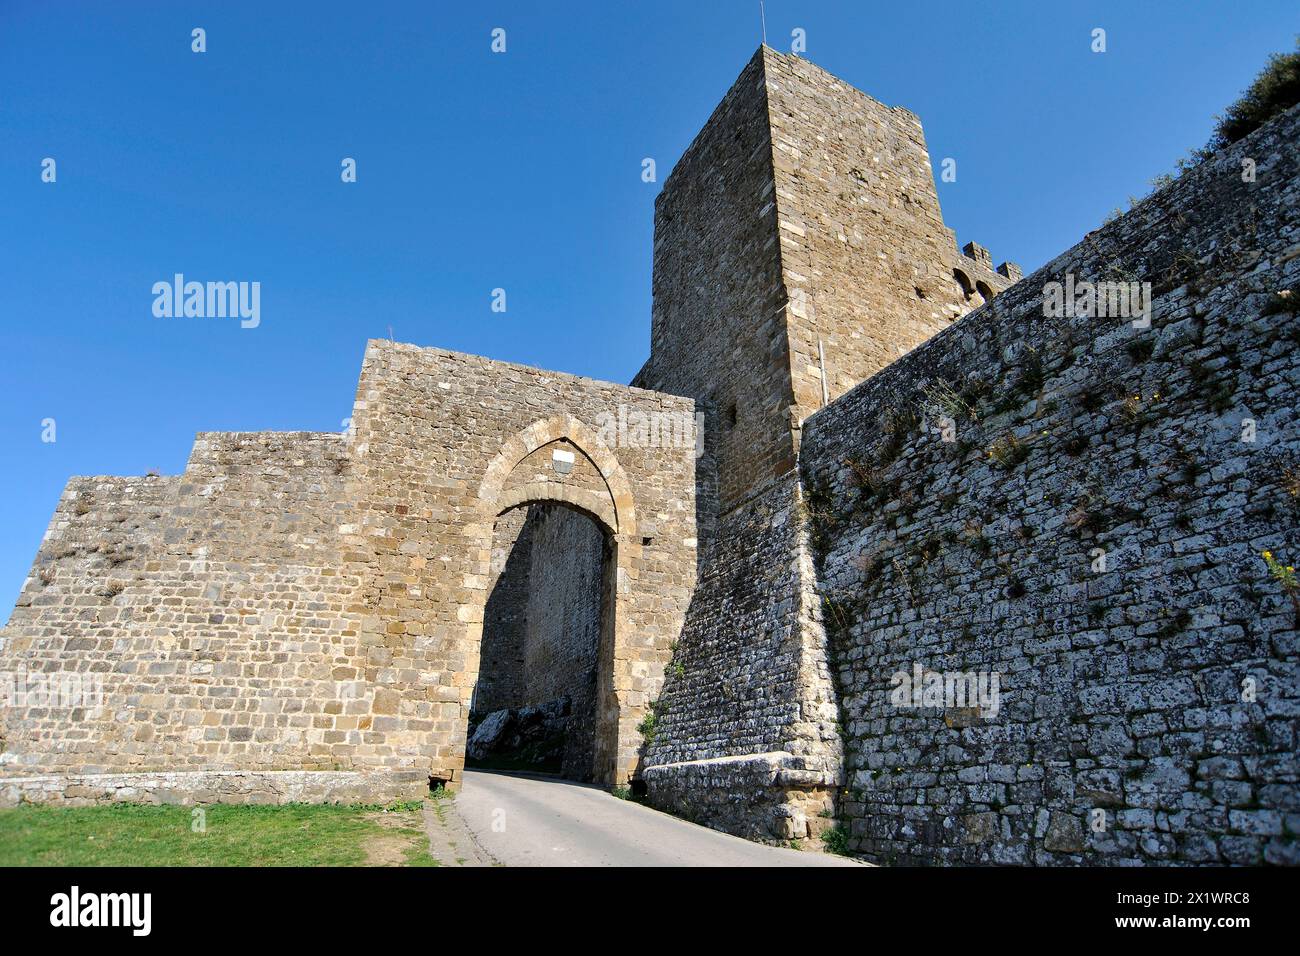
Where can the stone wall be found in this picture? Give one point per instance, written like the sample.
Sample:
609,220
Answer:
716,332
798,246
1073,505
745,734
205,786
212,606
866,261
799,234
309,602
565,610
501,658
445,442
1092,535
542,628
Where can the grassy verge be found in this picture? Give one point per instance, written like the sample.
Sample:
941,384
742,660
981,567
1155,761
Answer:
291,835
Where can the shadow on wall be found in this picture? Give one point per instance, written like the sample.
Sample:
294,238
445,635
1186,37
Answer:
536,701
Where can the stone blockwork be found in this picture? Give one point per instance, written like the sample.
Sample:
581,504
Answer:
1074,505
867,264
501,658
716,330
1092,534
543,627
216,608
566,610
440,437
210,786
315,602
799,248
745,733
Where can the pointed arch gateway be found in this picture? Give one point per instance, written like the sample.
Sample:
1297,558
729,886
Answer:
613,510
561,427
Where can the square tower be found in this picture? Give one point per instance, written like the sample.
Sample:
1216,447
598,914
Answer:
799,249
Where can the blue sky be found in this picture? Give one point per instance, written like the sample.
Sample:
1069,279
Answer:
477,171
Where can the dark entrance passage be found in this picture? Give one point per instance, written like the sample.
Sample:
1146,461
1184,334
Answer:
536,703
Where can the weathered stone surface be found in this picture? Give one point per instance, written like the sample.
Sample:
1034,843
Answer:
526,738
213,786
316,602
1148,704
487,734
891,498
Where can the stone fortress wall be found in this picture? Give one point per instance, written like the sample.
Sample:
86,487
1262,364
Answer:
565,609
313,604
1124,736
1092,533
184,596
799,248
501,680
886,486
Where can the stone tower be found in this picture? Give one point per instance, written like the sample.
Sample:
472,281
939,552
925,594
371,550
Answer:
798,250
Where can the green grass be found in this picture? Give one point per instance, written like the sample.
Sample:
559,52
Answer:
291,835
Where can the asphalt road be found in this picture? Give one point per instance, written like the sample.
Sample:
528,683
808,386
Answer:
527,821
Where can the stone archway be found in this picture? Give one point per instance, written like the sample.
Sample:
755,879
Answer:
610,505
524,443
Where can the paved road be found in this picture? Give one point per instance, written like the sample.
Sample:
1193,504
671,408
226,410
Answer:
545,822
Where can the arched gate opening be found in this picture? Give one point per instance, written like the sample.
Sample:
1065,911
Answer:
555,542
547,645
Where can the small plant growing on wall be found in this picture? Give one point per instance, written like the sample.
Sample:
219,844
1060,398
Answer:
1032,375
1176,625
897,425
871,565
1092,399
974,532
1213,389
1075,445
116,555
1006,403
1008,452
1137,411
649,725
836,840
1291,485
1284,574
1139,350
871,482
943,398
1085,518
